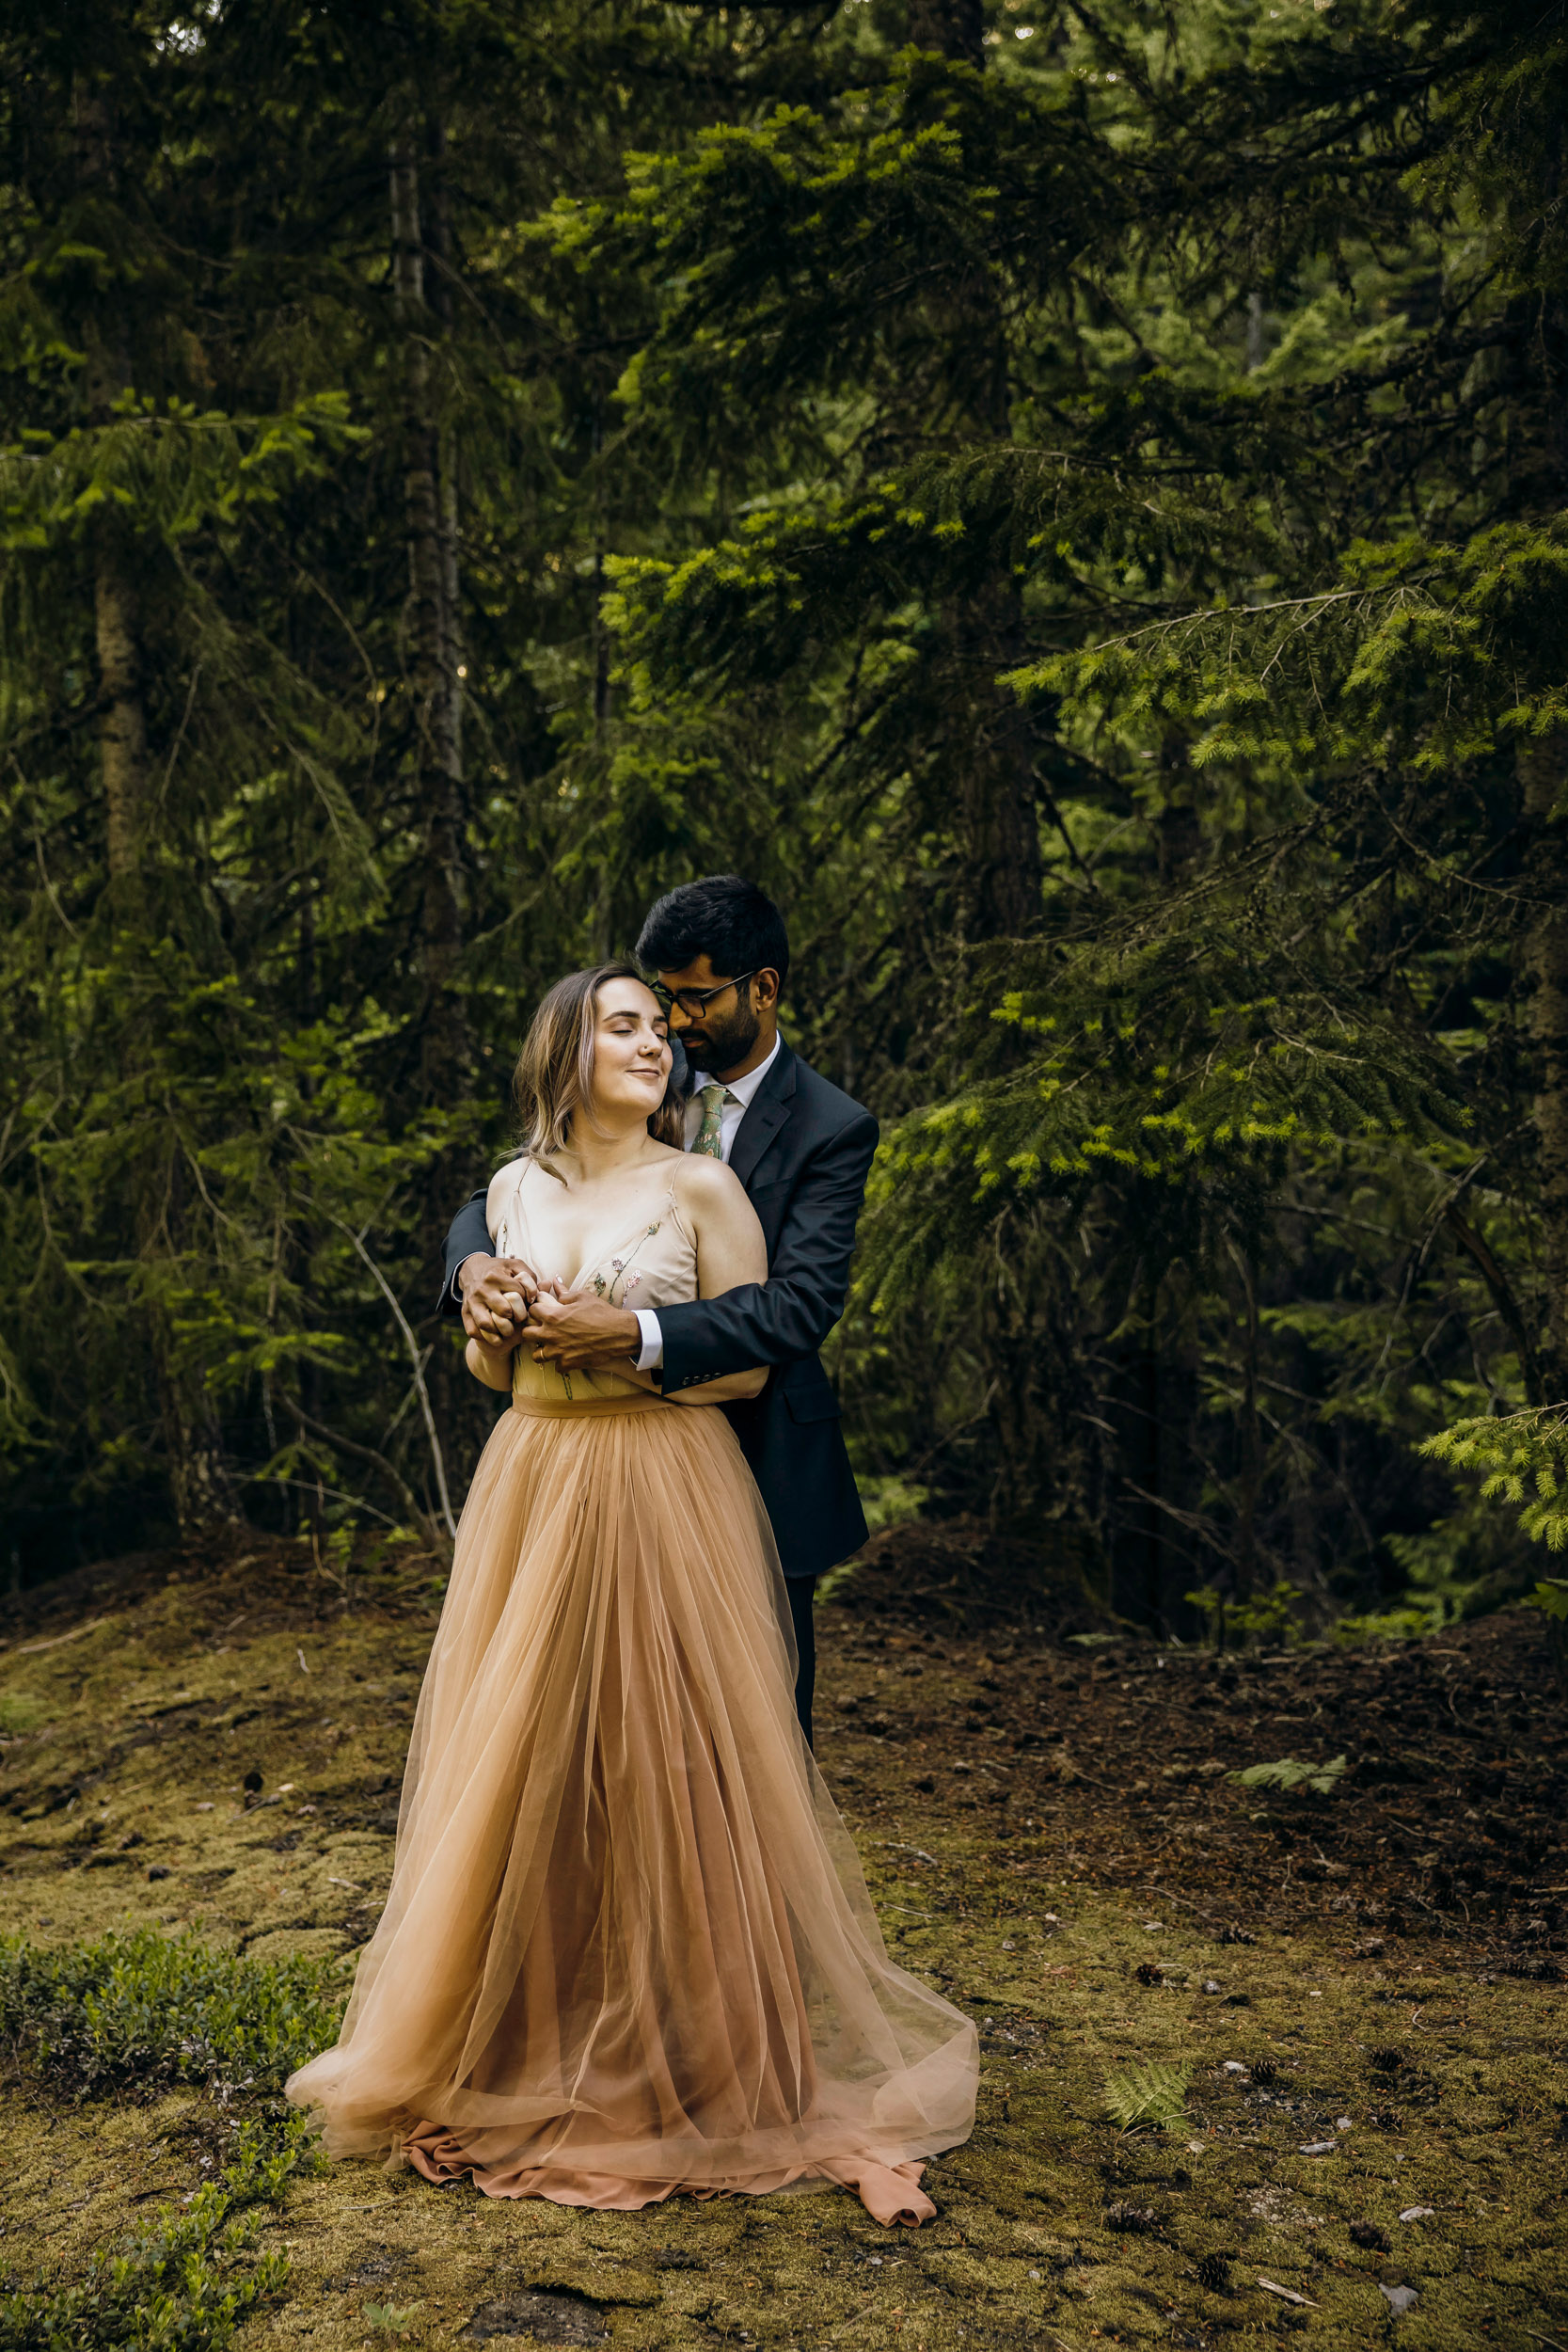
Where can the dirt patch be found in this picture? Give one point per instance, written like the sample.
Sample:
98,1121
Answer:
545,2318
1447,1762
956,1575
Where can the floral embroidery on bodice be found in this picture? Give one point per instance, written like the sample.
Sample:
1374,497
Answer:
649,1261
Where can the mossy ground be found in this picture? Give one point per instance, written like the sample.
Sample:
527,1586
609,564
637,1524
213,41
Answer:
1041,1842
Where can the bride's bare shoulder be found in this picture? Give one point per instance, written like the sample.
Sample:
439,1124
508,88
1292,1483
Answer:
503,1185
707,1185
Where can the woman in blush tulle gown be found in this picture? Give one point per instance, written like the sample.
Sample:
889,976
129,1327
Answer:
628,1952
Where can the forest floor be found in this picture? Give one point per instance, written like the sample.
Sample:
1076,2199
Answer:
1366,1986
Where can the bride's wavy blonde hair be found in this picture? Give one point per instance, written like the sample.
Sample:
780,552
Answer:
554,1078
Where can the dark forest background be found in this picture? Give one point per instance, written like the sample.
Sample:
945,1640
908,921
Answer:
1073,500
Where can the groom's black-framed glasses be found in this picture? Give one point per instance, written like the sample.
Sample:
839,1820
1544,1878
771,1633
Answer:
694,1002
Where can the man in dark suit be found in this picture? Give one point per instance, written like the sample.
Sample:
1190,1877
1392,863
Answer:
802,1149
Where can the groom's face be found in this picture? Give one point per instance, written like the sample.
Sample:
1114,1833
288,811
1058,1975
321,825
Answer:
724,1033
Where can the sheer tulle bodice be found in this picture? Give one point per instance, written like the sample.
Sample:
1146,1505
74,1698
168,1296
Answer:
628,1950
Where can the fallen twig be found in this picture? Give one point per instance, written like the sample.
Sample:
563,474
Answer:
31,1649
1272,2286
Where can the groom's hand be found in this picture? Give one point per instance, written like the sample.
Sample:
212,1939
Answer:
498,1293
579,1333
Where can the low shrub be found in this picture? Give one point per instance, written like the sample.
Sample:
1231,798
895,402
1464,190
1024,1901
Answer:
136,2013
145,2010
182,2282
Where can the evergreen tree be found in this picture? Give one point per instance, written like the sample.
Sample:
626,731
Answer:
143,702
1073,502
1272,485
309,475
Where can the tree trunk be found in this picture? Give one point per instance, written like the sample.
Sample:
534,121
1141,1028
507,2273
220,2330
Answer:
453,667
1004,869
430,497
122,714
1251,1435
1543,767
200,1490
199,1485
1000,888
1178,837
600,633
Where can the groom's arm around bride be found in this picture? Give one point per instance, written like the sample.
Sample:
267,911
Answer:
802,1149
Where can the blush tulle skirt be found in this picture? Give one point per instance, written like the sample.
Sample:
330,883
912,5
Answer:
629,1952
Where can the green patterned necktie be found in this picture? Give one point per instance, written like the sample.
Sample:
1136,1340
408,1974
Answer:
710,1139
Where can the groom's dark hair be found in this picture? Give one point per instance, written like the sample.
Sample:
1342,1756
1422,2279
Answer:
732,922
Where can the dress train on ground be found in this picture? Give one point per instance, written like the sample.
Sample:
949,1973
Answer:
628,1950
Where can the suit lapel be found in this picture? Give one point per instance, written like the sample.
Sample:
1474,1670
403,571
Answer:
768,1111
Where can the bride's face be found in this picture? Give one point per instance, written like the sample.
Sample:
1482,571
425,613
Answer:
631,1050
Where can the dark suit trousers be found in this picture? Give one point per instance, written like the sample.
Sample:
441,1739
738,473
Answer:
803,1592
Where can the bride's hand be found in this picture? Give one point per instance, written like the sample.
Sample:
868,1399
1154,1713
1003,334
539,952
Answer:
497,1295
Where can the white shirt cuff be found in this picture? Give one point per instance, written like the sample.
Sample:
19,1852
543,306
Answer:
651,1353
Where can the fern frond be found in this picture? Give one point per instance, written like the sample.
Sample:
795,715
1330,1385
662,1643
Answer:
1322,1779
1149,2096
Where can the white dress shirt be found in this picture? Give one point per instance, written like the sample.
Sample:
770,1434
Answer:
740,1091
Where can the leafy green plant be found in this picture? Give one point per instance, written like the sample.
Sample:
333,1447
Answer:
888,1501
1148,2097
142,2009
384,2320
180,2283
1321,1779
1387,1625
1267,1617
1210,1604
145,2009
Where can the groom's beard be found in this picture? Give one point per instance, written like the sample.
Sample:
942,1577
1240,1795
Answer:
719,1044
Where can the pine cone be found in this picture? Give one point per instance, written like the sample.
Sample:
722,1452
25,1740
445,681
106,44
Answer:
1137,2219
